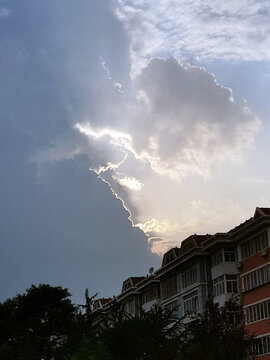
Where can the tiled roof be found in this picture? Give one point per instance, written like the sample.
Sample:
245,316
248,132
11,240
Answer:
137,279
104,301
214,237
175,249
201,238
262,211
170,255
266,211
238,227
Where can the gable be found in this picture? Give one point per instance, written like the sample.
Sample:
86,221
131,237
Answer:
168,257
126,285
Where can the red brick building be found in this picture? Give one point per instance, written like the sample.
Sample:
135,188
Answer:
253,250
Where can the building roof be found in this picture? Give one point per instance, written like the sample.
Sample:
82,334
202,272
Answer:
104,301
201,238
130,283
193,241
149,280
259,212
175,249
239,227
266,211
170,256
137,279
215,241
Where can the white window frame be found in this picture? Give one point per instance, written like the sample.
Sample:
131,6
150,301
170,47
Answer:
217,258
256,277
191,303
169,287
218,286
257,311
189,277
231,254
263,345
254,245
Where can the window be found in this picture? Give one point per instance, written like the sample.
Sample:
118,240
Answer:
216,258
254,245
189,277
168,258
261,241
169,287
96,305
150,295
127,285
256,278
191,305
172,306
218,286
261,346
231,284
229,255
187,247
225,283
258,312
130,307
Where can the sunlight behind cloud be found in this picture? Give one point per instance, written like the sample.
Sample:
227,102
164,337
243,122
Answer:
173,123
131,182
179,124
117,137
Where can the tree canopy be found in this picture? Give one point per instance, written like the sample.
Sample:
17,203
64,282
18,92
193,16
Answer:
43,324
218,334
39,324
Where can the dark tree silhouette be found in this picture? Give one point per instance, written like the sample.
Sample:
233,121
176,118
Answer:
153,335
39,324
219,334
43,324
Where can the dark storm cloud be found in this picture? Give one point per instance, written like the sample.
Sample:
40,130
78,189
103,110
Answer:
59,223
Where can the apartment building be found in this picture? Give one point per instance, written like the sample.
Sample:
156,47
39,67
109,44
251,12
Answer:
149,291
130,296
184,277
99,304
224,278
224,265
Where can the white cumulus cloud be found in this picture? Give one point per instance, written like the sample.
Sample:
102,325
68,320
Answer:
189,121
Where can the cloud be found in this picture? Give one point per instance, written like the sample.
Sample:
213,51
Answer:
191,122
232,30
179,123
131,182
68,105
59,222
160,245
209,217
155,226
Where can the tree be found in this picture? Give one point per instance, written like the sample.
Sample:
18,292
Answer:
88,307
40,324
91,348
153,335
217,335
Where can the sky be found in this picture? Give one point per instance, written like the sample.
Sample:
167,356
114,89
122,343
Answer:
126,126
